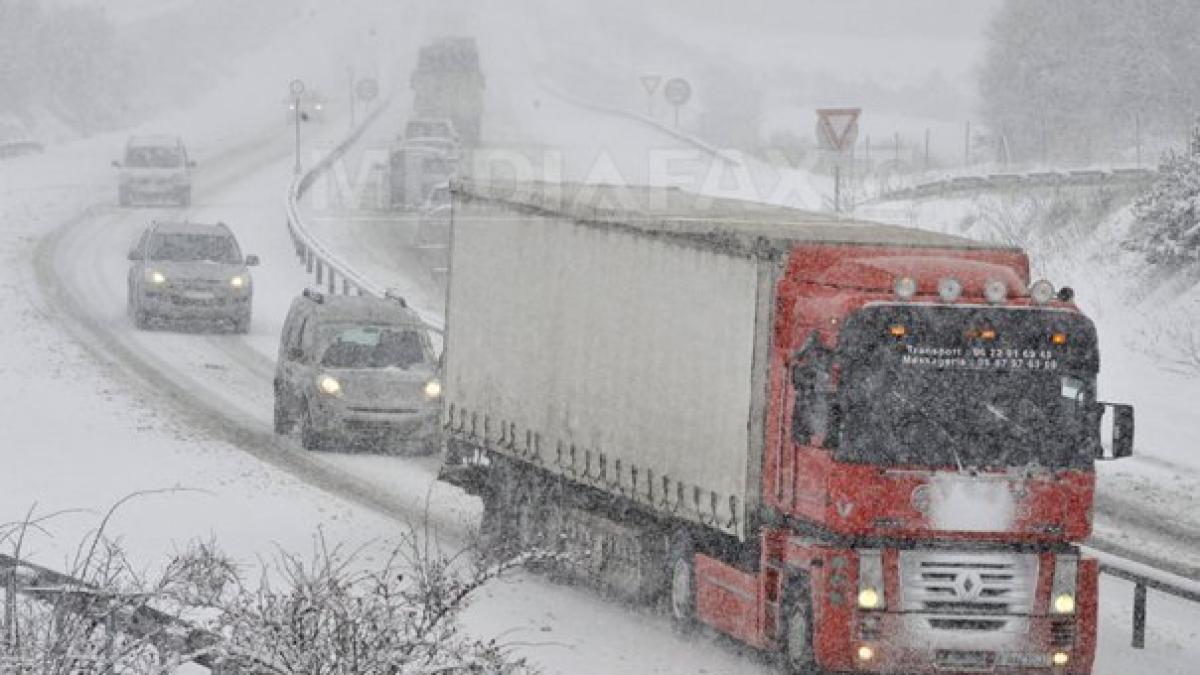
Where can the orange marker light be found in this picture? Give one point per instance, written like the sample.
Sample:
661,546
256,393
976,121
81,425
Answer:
898,330
987,334
1058,339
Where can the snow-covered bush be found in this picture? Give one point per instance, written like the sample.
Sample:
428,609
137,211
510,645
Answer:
1168,217
331,612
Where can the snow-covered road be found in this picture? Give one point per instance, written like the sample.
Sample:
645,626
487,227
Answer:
96,410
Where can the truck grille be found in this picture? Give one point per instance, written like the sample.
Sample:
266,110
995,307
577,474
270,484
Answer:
962,591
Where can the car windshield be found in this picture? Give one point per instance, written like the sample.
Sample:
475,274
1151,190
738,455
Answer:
194,248
373,346
943,394
158,157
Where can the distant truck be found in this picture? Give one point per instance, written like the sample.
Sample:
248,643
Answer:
448,83
414,171
865,448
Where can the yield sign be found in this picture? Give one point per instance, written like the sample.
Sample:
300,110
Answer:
837,128
650,83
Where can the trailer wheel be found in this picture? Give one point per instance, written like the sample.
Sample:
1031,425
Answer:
797,656
681,582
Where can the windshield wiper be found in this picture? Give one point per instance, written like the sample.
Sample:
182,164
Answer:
937,424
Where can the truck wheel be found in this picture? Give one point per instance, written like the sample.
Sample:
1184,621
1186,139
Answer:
797,656
241,325
310,438
681,583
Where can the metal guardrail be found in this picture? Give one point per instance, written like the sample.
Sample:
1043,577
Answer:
20,577
1143,578
1004,181
329,271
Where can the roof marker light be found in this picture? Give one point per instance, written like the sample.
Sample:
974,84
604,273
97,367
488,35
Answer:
905,288
1058,339
1041,291
898,330
987,334
949,289
995,291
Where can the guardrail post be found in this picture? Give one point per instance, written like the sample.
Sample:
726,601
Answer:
332,283
345,286
320,267
1139,616
308,260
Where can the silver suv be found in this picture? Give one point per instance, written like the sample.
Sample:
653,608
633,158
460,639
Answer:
190,271
157,168
357,369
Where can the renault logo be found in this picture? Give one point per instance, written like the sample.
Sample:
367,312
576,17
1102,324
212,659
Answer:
968,585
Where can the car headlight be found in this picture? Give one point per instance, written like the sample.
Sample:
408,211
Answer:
155,277
433,389
238,281
330,385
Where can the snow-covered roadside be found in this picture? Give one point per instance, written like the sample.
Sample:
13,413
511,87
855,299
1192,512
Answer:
76,432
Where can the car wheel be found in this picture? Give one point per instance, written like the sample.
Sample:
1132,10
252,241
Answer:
681,583
241,324
310,438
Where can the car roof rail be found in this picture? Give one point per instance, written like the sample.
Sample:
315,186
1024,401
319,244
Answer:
316,296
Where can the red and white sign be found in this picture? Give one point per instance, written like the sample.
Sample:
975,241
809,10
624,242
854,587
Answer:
837,128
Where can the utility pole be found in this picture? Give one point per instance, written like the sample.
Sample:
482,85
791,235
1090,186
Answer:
927,148
297,88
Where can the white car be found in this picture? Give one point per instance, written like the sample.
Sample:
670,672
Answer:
155,168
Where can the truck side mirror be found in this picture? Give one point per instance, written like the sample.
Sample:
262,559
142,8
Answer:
251,260
116,164
1119,441
295,353
134,255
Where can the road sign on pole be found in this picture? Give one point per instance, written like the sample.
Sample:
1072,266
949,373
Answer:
650,84
837,130
678,92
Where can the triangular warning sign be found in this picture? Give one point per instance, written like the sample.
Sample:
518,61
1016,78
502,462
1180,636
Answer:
650,83
838,127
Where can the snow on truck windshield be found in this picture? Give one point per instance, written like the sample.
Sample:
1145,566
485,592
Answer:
972,389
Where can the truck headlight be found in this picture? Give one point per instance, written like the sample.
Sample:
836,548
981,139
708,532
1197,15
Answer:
870,579
432,389
1062,589
237,281
1064,603
330,385
155,277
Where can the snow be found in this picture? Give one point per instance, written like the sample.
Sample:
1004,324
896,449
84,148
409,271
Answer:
94,411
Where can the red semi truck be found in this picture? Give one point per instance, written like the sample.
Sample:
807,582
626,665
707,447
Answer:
865,448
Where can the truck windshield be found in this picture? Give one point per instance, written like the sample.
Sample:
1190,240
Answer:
972,388
373,347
